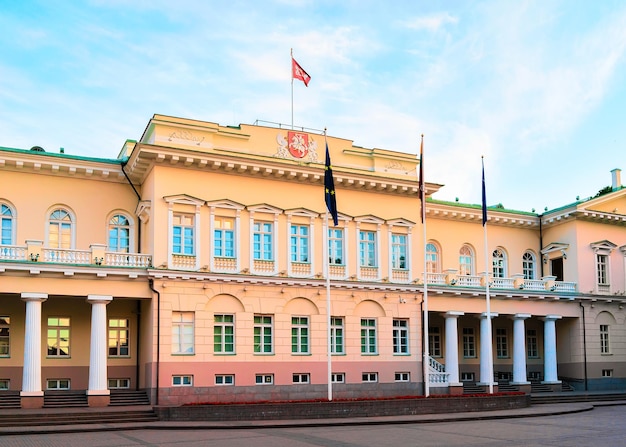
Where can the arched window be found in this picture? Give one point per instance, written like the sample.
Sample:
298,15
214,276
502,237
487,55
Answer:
8,225
119,234
528,265
60,229
498,259
432,258
466,260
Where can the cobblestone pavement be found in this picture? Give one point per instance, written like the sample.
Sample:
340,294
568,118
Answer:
603,426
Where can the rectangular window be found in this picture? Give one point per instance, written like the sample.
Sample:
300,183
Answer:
119,345
301,378
532,344
263,339
119,384
224,334
336,335
398,251
367,249
469,343
4,384
224,237
607,373
335,246
299,335
299,243
182,234
369,377
601,266
338,377
182,380
6,217
262,241
225,379
605,347
467,377
58,337
502,344
58,384
434,341
400,337
402,376
182,333
5,336
368,336
264,379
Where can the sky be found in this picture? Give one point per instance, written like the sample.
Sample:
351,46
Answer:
536,87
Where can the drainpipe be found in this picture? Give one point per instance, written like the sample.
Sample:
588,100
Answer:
139,200
582,308
540,247
158,359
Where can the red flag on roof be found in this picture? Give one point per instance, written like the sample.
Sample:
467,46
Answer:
297,72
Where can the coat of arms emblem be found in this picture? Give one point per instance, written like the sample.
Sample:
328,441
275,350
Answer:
297,145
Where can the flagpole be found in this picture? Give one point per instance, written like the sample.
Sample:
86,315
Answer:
487,298
422,191
292,89
328,312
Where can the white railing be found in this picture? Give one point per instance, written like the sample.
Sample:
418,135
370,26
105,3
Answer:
436,278
502,283
468,281
65,256
137,260
12,252
534,284
562,286
437,375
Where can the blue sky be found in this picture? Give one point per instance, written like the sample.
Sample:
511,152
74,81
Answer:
537,87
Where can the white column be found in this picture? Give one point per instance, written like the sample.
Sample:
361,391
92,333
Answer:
519,349
31,375
486,368
452,347
549,349
98,346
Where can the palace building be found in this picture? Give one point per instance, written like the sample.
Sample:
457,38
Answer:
195,267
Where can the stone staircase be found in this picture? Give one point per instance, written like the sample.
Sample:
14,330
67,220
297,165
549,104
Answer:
75,417
65,399
472,388
128,397
10,400
596,396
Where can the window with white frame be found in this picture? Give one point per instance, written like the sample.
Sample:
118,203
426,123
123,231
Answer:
225,379
182,380
336,335
602,272
369,377
532,344
605,346
400,336
402,376
4,384
338,377
335,246
183,240
434,341
607,373
528,265
469,343
58,384
119,384
119,234
432,258
119,345
399,251
367,248
182,332
5,336
502,343
299,243
263,334
498,262
299,335
264,379
466,261
301,378
224,237
368,336
224,334
60,229
7,225
58,337
263,241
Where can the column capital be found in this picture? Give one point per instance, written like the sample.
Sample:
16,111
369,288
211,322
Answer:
102,299
520,316
32,296
551,317
454,314
491,314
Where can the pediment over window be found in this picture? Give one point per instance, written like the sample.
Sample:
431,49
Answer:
555,246
603,246
302,212
400,222
370,219
264,208
184,199
225,203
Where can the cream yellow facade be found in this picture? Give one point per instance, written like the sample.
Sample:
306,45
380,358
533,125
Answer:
196,266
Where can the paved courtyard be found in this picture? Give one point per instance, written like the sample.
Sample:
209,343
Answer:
603,426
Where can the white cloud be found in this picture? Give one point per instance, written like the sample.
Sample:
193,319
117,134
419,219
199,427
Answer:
431,23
